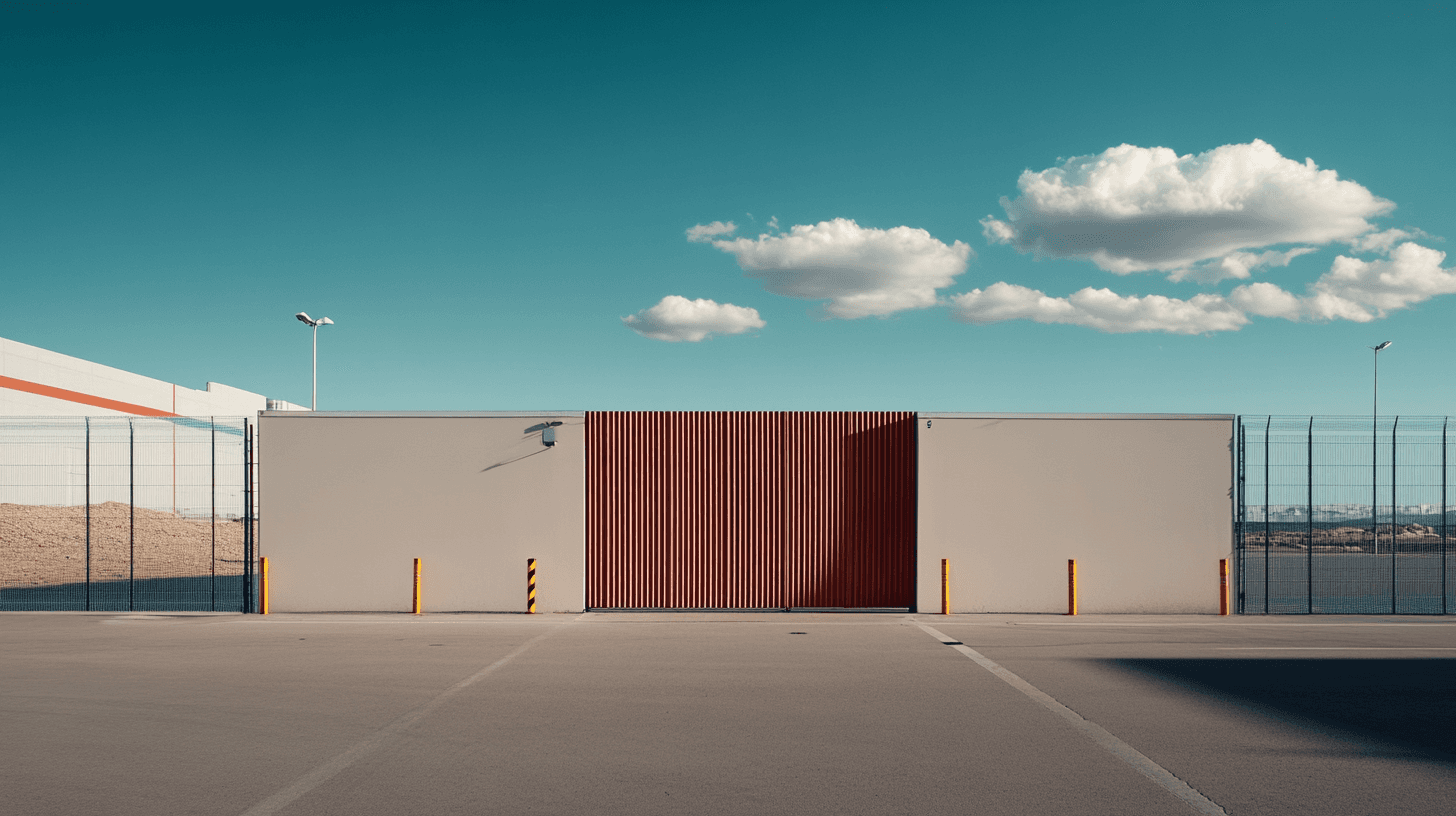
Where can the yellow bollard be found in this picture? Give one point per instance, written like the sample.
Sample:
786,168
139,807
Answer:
944,586
415,604
263,585
530,586
1223,587
1071,586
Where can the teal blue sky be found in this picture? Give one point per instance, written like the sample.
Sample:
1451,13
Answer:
479,193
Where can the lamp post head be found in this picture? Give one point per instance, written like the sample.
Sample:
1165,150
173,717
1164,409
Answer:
308,321
1377,349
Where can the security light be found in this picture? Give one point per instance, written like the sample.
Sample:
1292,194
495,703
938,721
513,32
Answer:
314,324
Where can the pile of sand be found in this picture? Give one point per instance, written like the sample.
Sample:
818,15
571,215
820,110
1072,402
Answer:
47,545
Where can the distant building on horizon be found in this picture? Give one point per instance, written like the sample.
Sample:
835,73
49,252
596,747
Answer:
37,382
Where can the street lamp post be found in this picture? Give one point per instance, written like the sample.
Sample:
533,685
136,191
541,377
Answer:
324,321
1375,453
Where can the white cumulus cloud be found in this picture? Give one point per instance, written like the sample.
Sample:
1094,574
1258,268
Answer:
1100,309
702,233
1267,300
1366,290
1352,289
1239,265
676,319
1385,240
1134,209
858,271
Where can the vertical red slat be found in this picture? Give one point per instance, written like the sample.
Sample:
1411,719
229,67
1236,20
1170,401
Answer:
750,509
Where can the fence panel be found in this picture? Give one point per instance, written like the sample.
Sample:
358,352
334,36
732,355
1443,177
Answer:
122,513
1344,515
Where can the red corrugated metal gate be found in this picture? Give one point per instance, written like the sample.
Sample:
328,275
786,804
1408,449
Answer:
750,510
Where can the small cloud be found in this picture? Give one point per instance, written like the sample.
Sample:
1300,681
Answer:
859,271
677,319
1239,265
1135,209
773,223
1267,300
1382,242
1100,309
1365,290
703,233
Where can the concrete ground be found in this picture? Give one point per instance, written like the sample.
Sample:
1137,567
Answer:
725,713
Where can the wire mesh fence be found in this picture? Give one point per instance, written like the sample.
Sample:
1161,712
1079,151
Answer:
123,513
1344,515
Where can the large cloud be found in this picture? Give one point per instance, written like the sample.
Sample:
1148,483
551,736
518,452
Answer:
859,271
1351,290
676,318
1134,209
1099,309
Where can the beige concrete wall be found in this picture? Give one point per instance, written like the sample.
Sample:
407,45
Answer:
1144,504
350,499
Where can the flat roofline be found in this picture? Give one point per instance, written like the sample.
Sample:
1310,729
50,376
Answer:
578,414
419,414
960,415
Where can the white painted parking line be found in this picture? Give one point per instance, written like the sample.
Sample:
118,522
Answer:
373,742
1140,763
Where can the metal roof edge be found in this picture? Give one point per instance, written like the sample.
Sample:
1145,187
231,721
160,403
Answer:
422,414
962,415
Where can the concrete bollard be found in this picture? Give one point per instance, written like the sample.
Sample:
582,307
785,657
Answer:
1223,586
263,585
530,586
415,603
1071,586
945,586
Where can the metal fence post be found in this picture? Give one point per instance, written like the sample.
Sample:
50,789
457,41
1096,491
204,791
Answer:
1393,426
1375,484
1240,519
131,504
1309,538
247,517
1268,422
1444,589
88,514
212,565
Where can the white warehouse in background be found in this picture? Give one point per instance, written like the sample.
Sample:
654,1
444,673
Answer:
37,382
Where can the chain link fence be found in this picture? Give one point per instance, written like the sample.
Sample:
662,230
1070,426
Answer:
1344,515
122,513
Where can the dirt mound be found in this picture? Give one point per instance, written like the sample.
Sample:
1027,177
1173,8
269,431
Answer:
47,545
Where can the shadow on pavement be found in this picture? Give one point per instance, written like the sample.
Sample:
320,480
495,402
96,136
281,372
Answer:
1404,704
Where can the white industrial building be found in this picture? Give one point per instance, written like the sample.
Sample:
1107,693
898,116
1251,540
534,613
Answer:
37,382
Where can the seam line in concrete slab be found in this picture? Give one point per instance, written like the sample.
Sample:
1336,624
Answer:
373,742
1139,762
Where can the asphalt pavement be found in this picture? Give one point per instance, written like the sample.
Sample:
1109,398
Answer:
803,713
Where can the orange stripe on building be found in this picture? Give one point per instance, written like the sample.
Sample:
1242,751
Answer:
78,397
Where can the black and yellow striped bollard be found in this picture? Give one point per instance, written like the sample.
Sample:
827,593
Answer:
530,586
